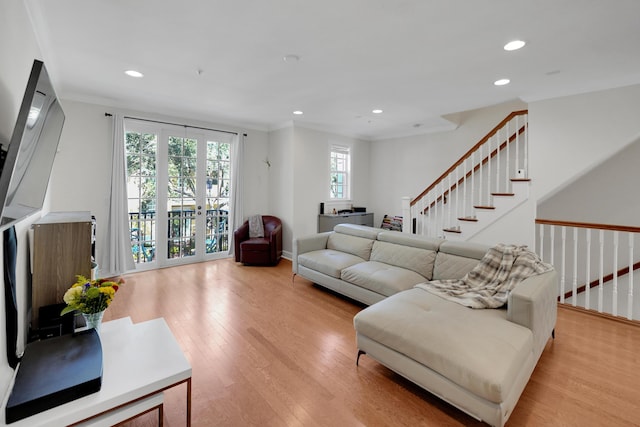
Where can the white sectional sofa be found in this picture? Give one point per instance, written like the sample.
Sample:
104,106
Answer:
479,360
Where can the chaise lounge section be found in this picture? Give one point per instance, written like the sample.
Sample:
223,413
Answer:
479,360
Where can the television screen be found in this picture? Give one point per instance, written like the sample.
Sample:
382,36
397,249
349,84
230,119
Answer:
29,158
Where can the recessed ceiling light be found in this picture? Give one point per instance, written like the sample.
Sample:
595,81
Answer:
134,73
501,82
298,112
514,45
376,111
291,58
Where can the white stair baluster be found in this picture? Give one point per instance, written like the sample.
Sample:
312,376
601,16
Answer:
457,211
489,176
540,249
526,144
438,210
601,273
587,300
464,188
497,189
517,159
429,217
562,263
630,292
473,179
615,273
450,203
552,244
507,171
575,266
480,187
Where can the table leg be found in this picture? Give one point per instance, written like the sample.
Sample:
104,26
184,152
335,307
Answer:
189,402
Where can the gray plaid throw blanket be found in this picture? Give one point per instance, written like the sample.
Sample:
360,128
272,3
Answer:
489,283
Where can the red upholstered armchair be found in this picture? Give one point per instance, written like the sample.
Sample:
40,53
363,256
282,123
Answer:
265,250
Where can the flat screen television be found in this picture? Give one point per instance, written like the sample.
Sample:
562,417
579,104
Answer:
28,159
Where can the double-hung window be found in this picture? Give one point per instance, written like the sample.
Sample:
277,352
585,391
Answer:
339,172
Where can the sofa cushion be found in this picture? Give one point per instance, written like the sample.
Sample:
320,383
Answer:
418,260
412,240
455,259
449,266
477,349
464,249
382,278
358,246
328,261
357,230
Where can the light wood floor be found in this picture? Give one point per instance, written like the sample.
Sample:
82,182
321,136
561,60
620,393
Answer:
269,352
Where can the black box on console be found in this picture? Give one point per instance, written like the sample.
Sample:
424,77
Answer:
55,371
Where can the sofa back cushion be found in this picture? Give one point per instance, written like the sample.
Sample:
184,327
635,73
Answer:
358,246
412,258
357,230
412,240
455,259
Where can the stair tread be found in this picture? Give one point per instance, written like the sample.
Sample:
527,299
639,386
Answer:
520,179
503,194
452,230
468,218
484,207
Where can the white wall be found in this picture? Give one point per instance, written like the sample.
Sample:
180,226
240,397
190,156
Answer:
18,49
311,176
516,227
571,135
607,194
281,182
406,166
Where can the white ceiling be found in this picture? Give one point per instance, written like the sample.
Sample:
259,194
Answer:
418,60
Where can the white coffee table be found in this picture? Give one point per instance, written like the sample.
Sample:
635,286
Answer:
140,361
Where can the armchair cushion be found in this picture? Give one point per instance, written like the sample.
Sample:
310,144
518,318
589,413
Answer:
255,244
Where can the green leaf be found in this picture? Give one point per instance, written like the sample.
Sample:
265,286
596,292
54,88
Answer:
67,309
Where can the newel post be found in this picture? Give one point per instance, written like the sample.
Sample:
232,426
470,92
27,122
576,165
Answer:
406,214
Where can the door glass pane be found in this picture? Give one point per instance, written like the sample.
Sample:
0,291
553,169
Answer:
140,151
181,190
217,196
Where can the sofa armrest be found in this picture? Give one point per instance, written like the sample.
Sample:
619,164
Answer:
314,242
533,304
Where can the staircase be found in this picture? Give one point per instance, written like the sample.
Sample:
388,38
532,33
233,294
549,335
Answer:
486,183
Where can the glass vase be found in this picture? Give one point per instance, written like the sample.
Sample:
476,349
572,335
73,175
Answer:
93,320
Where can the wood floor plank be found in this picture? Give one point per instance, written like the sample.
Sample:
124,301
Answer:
269,351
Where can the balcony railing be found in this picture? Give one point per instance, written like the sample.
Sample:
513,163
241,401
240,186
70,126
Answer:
181,233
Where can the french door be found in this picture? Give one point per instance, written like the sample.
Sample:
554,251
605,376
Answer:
179,197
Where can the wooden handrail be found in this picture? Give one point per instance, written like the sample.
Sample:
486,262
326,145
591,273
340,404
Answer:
468,153
475,168
596,226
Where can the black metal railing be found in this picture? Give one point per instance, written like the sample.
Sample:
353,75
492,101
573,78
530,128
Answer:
181,233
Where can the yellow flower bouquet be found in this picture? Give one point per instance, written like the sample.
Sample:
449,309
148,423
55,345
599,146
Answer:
90,296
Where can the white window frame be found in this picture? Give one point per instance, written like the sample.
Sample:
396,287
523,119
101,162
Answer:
335,153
